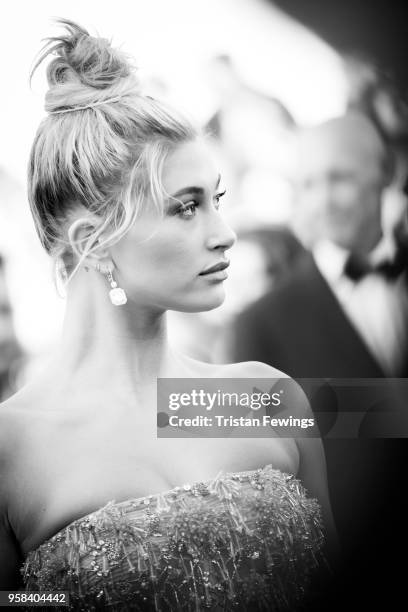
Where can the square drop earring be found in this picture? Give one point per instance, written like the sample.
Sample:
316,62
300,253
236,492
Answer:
116,294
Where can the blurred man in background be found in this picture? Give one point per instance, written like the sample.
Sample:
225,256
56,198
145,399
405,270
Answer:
343,311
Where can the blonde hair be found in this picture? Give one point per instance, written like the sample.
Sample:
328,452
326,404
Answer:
101,149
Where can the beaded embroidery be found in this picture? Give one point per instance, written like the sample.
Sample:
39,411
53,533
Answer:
242,541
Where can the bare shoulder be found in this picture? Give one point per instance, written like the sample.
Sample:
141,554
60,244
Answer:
296,400
15,419
250,369
20,417
10,425
244,369
17,413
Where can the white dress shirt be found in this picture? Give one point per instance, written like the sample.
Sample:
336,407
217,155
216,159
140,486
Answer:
375,306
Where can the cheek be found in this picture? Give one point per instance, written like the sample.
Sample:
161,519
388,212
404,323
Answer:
172,256
346,195
172,253
166,258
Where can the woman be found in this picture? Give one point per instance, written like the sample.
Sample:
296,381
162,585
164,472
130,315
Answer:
125,193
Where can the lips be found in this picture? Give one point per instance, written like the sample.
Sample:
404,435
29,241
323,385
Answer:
217,268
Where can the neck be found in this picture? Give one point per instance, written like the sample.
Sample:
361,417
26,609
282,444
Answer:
123,345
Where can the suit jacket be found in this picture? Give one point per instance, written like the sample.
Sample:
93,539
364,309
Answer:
301,329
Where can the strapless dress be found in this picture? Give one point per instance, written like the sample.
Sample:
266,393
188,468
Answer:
243,541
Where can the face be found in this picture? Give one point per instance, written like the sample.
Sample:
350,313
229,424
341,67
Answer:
163,262
339,188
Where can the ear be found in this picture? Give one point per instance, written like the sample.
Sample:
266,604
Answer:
83,239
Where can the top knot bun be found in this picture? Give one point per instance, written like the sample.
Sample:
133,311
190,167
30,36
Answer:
87,69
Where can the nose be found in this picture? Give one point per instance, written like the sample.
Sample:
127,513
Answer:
321,194
220,235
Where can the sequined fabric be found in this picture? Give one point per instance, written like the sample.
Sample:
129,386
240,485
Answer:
243,541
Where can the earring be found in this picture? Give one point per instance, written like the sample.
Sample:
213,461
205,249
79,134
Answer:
116,294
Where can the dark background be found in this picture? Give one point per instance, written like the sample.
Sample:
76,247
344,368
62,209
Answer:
376,28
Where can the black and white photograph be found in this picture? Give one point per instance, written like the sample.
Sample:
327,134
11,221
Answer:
203,305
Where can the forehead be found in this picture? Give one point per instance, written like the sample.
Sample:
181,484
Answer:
190,165
338,147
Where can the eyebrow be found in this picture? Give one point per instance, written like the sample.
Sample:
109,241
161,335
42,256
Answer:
194,189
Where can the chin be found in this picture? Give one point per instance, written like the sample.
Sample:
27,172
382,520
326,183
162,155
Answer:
202,303
342,239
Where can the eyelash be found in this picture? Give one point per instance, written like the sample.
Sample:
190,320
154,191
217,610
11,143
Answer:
193,204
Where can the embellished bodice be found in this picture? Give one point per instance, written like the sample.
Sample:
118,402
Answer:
243,541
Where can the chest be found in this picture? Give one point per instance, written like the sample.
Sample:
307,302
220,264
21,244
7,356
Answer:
67,471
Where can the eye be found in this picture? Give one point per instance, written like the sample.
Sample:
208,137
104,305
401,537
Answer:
218,197
188,209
